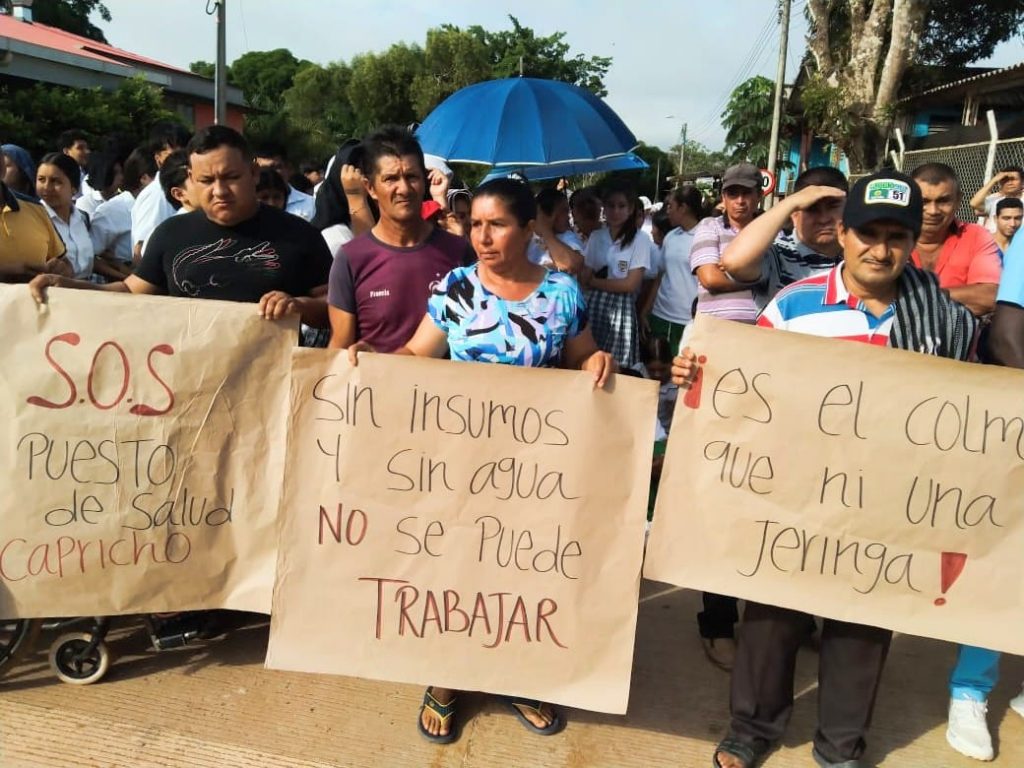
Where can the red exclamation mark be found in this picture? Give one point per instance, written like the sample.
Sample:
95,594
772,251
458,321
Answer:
952,566
692,397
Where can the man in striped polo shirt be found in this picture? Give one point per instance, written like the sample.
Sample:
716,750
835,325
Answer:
718,293
873,296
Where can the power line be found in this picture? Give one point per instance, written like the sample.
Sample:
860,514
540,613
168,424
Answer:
756,54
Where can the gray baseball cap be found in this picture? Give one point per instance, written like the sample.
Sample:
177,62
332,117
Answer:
742,175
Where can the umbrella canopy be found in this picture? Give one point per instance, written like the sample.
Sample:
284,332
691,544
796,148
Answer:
627,162
524,121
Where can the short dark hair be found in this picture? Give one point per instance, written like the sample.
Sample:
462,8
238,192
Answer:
270,149
174,173
166,133
216,136
584,195
822,176
301,183
548,199
67,138
390,141
310,167
935,173
67,166
660,222
1013,169
102,169
515,195
691,197
1008,202
271,179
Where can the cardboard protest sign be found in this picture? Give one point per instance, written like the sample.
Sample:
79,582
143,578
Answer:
473,526
143,446
859,483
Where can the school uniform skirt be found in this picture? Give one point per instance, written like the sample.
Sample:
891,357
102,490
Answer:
614,325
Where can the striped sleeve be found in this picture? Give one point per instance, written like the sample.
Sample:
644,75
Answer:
705,248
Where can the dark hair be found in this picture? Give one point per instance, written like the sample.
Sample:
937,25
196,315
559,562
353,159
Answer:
822,176
548,199
1008,202
216,136
514,195
67,166
691,197
102,169
389,141
331,202
584,195
660,222
271,149
67,138
310,167
629,228
270,179
1013,169
655,349
174,173
935,173
166,133
301,183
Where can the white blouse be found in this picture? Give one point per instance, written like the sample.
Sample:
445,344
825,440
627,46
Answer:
77,241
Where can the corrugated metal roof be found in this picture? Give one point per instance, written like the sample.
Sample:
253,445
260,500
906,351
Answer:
971,79
59,40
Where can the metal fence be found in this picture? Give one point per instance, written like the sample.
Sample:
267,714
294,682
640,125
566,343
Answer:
969,161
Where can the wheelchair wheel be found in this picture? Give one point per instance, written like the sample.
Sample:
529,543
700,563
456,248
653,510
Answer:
73,663
15,638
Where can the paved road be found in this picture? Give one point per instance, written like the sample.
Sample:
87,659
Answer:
215,707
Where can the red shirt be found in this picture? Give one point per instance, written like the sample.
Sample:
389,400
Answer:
969,256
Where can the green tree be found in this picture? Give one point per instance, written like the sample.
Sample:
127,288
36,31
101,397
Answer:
543,57
264,76
34,117
380,88
452,59
205,69
748,120
72,16
860,55
318,105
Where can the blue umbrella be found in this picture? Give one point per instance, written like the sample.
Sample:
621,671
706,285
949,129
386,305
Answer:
627,162
524,121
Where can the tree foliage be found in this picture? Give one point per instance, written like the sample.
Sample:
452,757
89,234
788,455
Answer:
72,16
403,84
204,68
748,121
34,117
264,76
862,51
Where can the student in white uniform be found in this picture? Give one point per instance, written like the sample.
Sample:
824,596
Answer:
111,229
151,207
57,180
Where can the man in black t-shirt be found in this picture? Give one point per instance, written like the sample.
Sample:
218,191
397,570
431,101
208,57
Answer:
233,248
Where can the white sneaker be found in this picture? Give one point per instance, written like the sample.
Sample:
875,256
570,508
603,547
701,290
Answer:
967,731
1017,703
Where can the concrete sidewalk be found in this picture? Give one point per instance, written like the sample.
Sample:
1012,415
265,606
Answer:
213,706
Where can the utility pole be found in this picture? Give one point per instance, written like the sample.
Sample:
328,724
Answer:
682,154
220,92
780,79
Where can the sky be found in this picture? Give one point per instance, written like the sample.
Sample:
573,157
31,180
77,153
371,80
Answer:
673,63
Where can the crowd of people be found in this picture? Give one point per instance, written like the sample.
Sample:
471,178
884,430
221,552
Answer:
384,250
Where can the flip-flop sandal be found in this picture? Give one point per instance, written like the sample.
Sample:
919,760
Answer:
443,712
515,702
750,755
